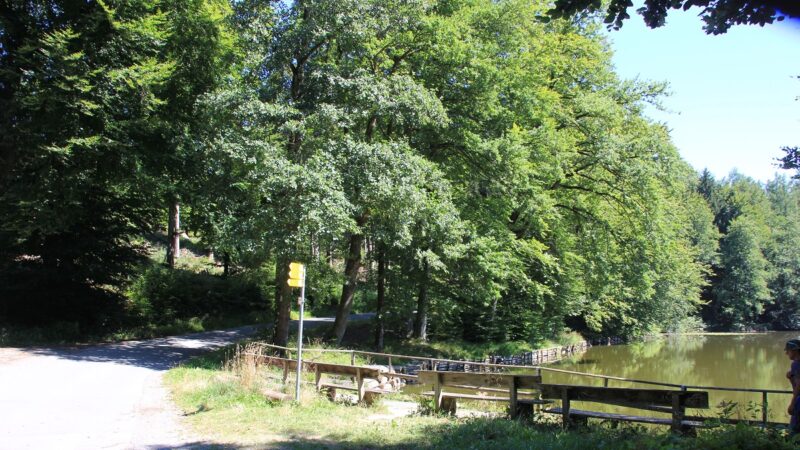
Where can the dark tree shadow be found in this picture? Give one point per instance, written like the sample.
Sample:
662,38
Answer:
157,354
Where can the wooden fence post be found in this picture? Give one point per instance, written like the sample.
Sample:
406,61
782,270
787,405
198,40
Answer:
512,390
437,392
678,412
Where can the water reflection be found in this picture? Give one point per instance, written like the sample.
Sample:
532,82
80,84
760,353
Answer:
739,361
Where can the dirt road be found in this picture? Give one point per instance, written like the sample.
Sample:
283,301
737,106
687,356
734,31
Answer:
99,397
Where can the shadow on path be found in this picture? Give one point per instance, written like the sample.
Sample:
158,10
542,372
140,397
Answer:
156,354
162,354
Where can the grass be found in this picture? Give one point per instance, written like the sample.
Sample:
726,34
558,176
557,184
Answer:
224,407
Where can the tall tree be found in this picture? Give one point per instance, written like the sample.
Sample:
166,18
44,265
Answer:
78,80
783,253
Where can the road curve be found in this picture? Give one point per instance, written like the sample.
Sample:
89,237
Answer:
106,396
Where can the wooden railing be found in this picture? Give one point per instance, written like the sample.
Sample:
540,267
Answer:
538,371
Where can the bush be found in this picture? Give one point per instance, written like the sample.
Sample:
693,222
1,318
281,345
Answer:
161,296
42,298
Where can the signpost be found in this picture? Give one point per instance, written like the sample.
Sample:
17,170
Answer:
297,278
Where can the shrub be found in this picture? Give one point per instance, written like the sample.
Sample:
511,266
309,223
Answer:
161,295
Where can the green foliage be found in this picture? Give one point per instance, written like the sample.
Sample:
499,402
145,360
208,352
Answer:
753,279
162,295
492,163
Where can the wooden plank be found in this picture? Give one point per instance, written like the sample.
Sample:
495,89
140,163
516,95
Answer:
653,397
291,364
346,387
489,398
533,401
274,395
475,397
341,369
626,418
480,379
654,408
350,387
330,368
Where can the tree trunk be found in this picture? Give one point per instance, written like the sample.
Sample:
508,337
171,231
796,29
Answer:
352,265
421,319
226,264
174,234
283,303
379,327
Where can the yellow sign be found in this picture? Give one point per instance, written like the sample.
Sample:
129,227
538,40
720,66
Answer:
297,275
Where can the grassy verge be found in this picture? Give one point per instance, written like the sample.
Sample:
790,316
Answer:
224,406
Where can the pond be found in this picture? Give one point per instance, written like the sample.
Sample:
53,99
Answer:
754,361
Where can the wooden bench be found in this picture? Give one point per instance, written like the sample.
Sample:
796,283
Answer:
503,387
287,365
358,373
671,402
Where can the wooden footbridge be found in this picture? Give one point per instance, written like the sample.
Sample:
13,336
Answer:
525,388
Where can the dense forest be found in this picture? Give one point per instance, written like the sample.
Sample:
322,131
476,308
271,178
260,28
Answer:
468,169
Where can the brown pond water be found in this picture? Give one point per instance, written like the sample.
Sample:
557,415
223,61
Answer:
752,361
749,361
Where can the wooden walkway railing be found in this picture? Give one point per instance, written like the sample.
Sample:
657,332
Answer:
537,370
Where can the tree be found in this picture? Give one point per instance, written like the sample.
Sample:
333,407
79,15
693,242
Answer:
743,290
78,80
201,49
783,252
718,15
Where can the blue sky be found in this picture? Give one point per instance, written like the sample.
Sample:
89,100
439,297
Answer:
734,96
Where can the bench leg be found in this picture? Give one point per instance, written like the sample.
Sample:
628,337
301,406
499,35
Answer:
317,378
360,385
524,411
565,418
449,405
331,393
437,393
370,398
579,421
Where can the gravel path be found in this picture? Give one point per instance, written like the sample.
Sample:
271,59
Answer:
100,397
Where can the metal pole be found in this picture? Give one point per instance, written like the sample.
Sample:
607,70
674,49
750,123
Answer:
300,340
